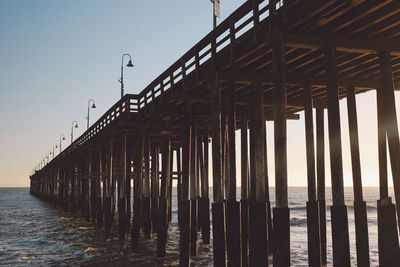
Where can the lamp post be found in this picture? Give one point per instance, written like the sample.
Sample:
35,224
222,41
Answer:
88,108
216,12
130,65
54,146
74,125
62,138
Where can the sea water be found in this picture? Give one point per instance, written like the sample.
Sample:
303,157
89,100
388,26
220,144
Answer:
33,232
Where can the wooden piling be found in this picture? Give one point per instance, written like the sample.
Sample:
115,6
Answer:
108,194
100,179
85,189
319,112
314,250
387,229
244,201
73,187
127,167
93,189
360,206
281,212
232,206
146,207
154,186
257,208
340,232
138,165
184,206
163,208
179,181
193,186
122,190
267,196
389,251
204,201
170,182
217,205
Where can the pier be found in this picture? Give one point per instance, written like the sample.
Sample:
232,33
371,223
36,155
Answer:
265,63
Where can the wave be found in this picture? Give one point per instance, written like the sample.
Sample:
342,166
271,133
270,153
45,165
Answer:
295,221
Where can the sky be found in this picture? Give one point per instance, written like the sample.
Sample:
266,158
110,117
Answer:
56,55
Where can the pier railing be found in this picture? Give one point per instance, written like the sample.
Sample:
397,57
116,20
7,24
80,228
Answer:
127,104
252,16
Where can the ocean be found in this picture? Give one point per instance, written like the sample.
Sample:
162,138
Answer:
36,233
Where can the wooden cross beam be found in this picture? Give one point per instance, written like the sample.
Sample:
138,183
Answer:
251,77
345,44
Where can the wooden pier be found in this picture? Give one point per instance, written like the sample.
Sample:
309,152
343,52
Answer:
267,61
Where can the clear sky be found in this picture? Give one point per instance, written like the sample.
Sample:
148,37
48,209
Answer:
55,55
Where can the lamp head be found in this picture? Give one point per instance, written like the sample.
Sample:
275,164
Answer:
63,138
76,125
94,105
130,65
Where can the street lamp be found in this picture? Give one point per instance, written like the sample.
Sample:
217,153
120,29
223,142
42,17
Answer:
62,138
54,146
74,125
88,108
130,65
48,157
216,11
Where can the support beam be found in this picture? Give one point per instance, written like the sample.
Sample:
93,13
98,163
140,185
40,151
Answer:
163,208
184,205
281,212
108,199
340,232
244,199
391,124
193,183
314,249
360,207
344,44
388,242
232,206
217,205
154,186
137,191
100,179
257,208
258,76
321,181
146,210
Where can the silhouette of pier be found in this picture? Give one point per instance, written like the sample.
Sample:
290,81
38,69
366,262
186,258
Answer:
267,61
